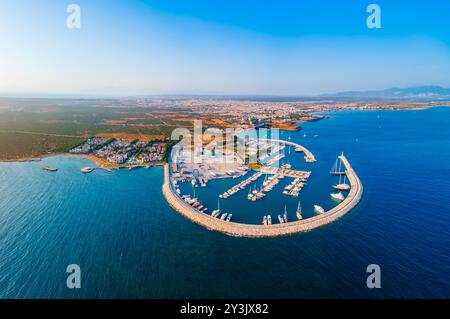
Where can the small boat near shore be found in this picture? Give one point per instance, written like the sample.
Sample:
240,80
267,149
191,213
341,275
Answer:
299,211
49,169
86,170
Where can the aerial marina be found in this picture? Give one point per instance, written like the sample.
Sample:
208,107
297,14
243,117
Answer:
262,180
273,166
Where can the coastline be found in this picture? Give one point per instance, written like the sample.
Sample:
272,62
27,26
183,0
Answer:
99,162
295,126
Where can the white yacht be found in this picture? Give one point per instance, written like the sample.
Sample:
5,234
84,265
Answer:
342,186
337,196
216,211
319,209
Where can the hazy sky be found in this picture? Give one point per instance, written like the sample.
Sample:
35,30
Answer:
221,46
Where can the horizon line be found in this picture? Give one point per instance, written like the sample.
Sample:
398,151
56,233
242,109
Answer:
68,95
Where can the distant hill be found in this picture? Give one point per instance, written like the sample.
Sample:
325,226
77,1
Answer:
419,92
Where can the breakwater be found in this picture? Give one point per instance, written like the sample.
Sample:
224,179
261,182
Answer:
274,230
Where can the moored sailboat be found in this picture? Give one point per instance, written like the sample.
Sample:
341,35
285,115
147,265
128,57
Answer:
216,211
342,186
299,211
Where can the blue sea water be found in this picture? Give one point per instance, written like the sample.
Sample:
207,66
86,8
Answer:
129,243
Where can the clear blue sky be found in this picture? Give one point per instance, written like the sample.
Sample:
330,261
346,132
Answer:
222,46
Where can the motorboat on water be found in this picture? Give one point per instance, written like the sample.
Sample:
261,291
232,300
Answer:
86,170
319,209
337,196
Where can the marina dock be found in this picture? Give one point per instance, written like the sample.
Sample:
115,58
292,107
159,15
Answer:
269,230
284,172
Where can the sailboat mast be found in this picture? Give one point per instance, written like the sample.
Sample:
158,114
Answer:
334,168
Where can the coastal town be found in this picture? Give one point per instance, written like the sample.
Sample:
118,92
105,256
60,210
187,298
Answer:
116,153
30,129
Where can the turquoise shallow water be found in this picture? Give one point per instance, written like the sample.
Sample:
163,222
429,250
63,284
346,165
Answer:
130,243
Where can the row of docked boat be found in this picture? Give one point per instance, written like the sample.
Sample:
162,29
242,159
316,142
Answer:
255,194
294,188
337,196
342,185
195,203
222,216
84,170
309,157
269,183
283,218
176,186
267,219
236,188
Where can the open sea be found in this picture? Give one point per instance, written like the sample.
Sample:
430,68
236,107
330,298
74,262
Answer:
129,243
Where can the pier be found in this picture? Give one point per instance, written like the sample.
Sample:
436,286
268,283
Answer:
309,157
273,230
